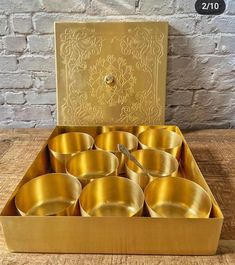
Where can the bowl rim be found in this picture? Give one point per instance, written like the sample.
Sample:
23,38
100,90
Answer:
115,178
18,192
166,154
110,154
179,139
116,132
51,140
191,182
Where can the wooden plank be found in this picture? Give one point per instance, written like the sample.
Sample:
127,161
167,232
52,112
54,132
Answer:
214,151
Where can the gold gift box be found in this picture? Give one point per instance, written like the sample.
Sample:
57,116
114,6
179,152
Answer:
111,76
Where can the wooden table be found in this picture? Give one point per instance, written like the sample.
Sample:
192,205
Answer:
214,151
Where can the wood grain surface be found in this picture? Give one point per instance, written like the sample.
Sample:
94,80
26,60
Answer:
215,155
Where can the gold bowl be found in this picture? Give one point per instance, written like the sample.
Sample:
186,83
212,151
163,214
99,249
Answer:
177,197
92,164
158,163
108,141
49,195
64,145
112,196
161,139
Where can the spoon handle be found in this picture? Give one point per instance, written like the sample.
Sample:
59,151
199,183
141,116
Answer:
124,150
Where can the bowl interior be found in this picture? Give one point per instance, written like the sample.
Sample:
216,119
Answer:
92,163
160,138
177,197
48,194
111,196
109,141
72,142
158,163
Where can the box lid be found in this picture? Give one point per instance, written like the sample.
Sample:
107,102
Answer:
111,72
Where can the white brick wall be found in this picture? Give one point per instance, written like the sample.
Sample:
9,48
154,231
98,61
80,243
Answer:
201,60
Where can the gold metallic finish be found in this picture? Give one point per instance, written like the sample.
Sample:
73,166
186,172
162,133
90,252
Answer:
135,235
158,163
177,198
92,164
109,79
112,196
109,142
63,146
132,55
161,139
49,195
136,130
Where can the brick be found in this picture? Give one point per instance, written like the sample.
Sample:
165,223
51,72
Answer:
223,71
225,113
46,124
28,113
15,43
193,114
230,7
227,44
179,63
44,81
182,73
46,98
232,124
44,22
191,45
3,25
37,83
182,125
50,82
182,115
203,114
181,26
213,98
6,113
2,100
37,63
169,113
222,64
209,125
209,72
15,81
54,114
13,6
42,43
217,24
13,98
156,7
18,124
103,7
22,23
78,6
185,6
8,63
180,98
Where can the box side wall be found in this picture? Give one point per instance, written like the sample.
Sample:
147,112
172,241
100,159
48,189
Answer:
40,166
141,235
193,173
112,235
